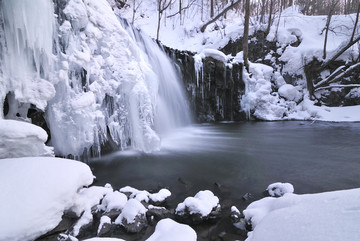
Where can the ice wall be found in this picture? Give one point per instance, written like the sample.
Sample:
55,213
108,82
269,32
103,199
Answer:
27,59
89,76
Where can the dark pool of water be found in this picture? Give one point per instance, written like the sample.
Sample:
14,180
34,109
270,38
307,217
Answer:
232,159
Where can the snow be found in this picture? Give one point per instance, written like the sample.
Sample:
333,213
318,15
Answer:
289,92
278,189
131,210
113,200
202,203
103,220
329,216
145,195
35,193
167,229
20,139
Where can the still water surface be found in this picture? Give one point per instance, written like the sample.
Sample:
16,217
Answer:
232,159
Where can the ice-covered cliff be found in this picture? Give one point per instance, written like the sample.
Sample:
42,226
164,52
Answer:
74,63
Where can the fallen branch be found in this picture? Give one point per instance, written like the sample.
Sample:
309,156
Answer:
338,86
335,77
227,8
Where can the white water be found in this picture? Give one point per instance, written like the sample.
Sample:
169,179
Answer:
101,85
172,109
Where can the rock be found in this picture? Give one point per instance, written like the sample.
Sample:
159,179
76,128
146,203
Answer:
133,216
247,196
203,206
105,226
157,213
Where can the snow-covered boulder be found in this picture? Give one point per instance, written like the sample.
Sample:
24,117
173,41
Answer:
113,201
21,139
167,229
145,196
329,216
104,226
133,216
204,205
289,92
35,192
278,189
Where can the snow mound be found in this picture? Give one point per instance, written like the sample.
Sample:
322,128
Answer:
131,210
329,216
145,195
20,139
35,193
278,189
202,203
167,229
113,200
289,92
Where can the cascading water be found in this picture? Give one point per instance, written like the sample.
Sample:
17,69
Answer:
95,83
172,109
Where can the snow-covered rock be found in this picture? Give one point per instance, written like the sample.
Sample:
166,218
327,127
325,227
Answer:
113,201
145,196
22,139
329,216
202,206
167,229
133,216
35,192
278,189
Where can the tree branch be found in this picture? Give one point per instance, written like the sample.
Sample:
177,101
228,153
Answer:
230,6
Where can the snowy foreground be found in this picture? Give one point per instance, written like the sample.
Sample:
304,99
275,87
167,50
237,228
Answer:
330,216
36,191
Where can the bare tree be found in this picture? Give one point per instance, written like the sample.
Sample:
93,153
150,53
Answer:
332,6
270,17
246,34
162,6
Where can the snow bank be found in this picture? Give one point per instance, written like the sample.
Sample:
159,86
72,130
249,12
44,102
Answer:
20,139
330,216
167,229
278,189
202,203
35,192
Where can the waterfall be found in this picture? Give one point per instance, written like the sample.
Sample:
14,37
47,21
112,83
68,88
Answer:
172,109
94,82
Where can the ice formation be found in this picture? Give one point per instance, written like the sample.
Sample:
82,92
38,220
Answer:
89,76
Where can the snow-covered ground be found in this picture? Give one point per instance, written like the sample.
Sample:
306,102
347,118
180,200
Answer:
330,216
35,192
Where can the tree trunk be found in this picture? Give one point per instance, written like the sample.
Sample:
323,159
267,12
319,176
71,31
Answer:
270,17
327,31
246,34
211,8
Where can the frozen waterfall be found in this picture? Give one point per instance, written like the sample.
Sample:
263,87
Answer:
94,82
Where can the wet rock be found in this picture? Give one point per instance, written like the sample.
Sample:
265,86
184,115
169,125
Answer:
157,213
247,196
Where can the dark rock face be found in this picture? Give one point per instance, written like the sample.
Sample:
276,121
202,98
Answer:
214,92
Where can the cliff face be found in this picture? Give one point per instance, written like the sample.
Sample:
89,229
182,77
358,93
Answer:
215,91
